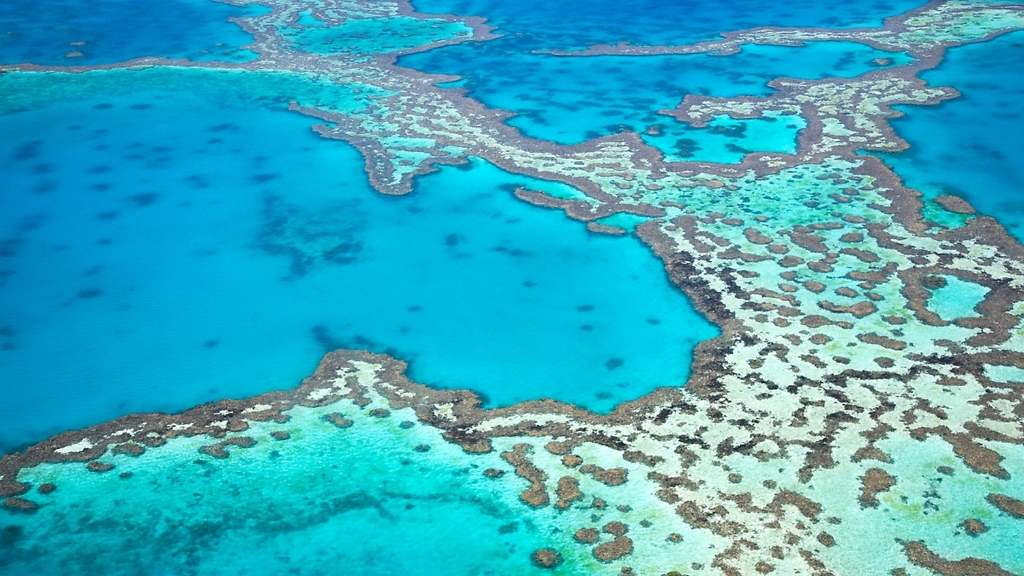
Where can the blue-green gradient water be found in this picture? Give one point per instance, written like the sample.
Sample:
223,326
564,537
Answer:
570,100
160,268
328,501
971,146
162,247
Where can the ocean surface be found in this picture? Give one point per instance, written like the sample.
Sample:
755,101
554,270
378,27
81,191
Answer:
574,24
75,33
569,100
373,35
189,262
971,146
163,247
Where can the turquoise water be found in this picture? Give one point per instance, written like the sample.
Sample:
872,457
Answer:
970,146
162,247
156,271
569,100
724,139
107,31
1000,373
580,23
26,92
956,299
358,501
375,35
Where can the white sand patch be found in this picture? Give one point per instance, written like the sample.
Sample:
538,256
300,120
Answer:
80,446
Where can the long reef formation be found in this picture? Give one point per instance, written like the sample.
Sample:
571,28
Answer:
814,430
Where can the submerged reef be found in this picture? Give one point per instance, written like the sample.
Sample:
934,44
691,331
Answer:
854,415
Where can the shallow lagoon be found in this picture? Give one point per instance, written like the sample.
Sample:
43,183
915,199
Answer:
369,497
379,494
956,298
571,99
193,264
374,35
360,500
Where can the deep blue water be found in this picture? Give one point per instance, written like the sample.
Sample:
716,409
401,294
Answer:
569,100
581,23
372,35
107,31
192,262
971,146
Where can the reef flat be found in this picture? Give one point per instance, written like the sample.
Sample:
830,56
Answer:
860,411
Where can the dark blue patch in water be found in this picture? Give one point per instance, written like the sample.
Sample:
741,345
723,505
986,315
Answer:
72,32
580,23
971,146
277,278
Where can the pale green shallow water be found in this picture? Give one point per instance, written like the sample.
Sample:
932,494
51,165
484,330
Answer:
354,501
957,298
570,100
380,497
